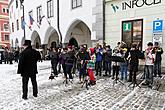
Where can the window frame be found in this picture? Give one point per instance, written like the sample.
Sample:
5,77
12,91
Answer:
132,31
5,37
39,13
50,8
73,7
16,4
4,27
12,27
17,21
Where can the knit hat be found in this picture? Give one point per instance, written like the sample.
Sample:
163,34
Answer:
69,46
92,50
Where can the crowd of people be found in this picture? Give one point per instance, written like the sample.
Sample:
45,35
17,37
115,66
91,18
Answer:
104,61
9,55
108,62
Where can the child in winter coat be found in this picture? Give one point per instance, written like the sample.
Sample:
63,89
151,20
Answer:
91,66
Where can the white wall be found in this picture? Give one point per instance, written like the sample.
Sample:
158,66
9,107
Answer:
147,13
68,17
17,14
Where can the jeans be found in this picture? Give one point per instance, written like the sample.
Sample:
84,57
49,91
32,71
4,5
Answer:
108,68
98,67
149,74
157,68
115,71
123,69
68,71
54,67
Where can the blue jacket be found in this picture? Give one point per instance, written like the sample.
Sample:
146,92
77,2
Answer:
99,55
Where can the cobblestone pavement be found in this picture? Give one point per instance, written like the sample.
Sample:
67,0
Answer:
54,95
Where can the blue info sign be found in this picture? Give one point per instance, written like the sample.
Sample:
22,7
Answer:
157,26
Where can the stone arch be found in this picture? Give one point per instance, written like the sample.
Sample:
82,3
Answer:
36,40
51,36
80,32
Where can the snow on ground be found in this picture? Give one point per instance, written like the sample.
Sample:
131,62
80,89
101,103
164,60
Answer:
54,95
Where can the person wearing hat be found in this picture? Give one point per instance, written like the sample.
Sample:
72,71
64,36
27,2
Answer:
91,66
27,67
158,51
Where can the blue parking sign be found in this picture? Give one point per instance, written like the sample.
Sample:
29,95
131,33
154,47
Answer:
157,26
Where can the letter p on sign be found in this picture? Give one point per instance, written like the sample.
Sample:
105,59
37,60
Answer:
157,26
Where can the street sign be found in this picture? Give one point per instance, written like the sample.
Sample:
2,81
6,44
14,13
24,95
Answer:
157,26
127,26
158,37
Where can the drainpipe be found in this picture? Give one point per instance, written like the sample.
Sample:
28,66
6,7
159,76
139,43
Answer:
104,21
58,20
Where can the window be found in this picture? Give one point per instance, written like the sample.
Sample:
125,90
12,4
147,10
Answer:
4,10
132,32
17,24
6,37
50,8
6,27
39,10
76,3
7,10
22,23
12,27
16,3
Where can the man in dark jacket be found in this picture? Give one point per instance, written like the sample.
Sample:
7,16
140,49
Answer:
27,67
108,54
134,63
54,56
158,51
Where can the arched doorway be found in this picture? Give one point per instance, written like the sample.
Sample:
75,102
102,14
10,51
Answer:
51,38
79,32
36,41
73,41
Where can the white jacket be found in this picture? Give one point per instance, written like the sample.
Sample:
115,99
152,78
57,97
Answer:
149,57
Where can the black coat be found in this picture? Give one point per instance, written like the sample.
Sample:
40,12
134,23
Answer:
108,55
134,55
27,65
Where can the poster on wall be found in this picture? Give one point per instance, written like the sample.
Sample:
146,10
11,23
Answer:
158,37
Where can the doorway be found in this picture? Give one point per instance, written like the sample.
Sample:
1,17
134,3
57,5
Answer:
132,32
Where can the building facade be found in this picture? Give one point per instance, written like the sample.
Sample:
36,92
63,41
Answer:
59,21
135,21
4,24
